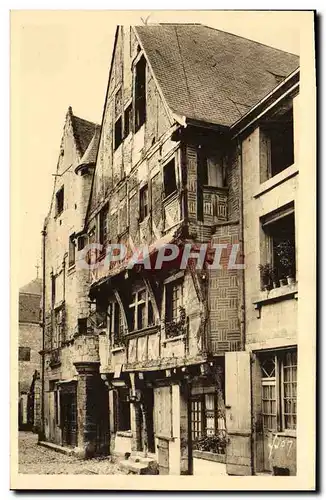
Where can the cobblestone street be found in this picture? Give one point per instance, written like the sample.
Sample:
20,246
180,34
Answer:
35,459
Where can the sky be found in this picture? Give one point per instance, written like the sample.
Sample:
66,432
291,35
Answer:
61,59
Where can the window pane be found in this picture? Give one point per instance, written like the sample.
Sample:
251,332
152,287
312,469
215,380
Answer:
290,389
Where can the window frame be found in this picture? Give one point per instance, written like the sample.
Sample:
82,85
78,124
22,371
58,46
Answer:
103,225
204,411
27,353
60,201
58,334
165,184
143,207
127,120
170,287
115,323
277,381
118,127
72,251
267,223
134,310
139,95
268,131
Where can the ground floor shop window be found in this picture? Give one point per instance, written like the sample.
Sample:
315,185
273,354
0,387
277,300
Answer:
279,391
122,409
207,423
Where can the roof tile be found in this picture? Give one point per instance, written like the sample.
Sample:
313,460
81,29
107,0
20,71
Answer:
210,75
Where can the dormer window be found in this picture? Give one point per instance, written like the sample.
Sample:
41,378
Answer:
59,201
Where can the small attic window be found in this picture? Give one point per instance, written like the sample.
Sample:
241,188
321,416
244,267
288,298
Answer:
140,93
59,201
118,133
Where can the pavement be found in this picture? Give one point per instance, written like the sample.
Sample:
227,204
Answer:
36,459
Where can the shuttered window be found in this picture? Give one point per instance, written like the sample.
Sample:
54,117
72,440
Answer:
163,411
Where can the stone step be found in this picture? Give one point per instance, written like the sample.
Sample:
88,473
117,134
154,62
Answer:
56,447
132,467
143,460
139,465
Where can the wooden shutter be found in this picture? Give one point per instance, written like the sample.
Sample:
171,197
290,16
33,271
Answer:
163,411
238,413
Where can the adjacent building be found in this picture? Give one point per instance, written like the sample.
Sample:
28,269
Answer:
29,360
61,285
191,367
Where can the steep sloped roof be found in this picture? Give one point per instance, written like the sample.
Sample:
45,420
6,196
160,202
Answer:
89,157
34,287
83,131
30,301
210,75
29,308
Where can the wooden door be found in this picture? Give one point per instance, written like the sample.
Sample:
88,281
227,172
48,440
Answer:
238,413
163,425
69,419
163,456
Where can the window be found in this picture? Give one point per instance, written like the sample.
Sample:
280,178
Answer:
82,325
207,422
289,413
279,231
143,195
59,201
53,289
118,133
24,354
59,327
173,300
122,409
276,145
279,391
103,232
115,323
141,310
170,183
127,121
210,170
72,250
81,243
140,93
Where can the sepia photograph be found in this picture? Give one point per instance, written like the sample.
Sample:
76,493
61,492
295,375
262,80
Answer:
163,303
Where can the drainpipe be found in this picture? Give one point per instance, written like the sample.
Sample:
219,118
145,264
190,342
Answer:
243,303
241,238
42,433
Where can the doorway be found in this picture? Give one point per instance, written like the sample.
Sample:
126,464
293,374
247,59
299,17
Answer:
148,395
68,404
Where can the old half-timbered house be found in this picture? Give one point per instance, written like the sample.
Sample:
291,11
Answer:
168,172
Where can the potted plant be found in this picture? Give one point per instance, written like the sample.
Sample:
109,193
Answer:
285,251
283,281
274,277
265,275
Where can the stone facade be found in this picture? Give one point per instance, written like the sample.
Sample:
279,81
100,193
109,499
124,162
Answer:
29,360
